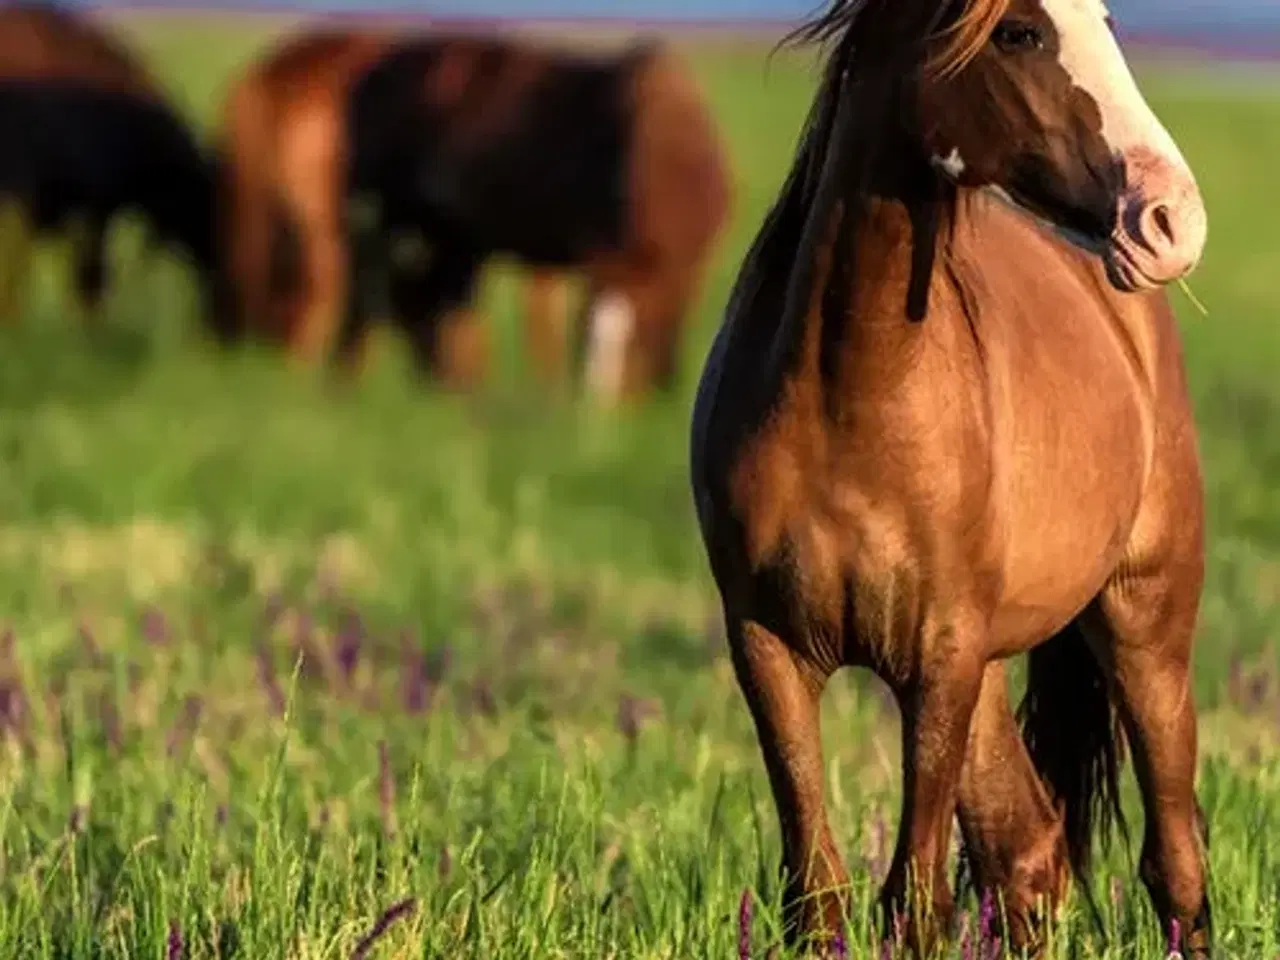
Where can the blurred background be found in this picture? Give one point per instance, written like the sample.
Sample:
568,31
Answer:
463,649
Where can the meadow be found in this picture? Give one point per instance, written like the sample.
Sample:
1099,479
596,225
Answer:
287,671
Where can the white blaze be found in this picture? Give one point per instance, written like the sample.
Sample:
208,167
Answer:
612,327
1091,56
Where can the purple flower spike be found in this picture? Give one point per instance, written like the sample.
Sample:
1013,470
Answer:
745,910
886,950
347,644
155,628
986,918
1175,938
839,947
174,951
416,685
13,708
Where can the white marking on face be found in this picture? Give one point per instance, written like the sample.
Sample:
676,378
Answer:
612,327
952,164
1091,56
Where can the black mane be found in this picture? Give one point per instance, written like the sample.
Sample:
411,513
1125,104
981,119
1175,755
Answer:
877,58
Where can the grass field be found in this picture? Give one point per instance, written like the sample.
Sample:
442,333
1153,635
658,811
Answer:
513,731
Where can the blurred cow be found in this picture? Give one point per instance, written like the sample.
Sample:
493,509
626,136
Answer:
86,133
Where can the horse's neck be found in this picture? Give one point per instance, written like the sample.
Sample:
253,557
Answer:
859,277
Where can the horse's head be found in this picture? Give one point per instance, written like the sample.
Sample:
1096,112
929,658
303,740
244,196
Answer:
1046,112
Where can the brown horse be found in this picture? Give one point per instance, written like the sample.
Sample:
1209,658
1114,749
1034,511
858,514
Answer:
90,132
609,165
946,422
280,228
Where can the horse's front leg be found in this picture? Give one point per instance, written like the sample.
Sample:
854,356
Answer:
783,689
937,705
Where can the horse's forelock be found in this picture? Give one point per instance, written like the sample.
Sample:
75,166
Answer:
962,26
966,34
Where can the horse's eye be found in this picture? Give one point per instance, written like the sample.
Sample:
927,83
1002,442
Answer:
1012,37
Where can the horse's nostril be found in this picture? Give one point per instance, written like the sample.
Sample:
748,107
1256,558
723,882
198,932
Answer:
1163,223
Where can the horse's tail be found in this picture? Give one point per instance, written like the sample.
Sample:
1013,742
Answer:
1070,727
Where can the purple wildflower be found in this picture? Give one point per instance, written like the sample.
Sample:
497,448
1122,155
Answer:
745,910
840,948
347,644
402,909
175,947
416,685
155,627
986,918
13,707
1175,937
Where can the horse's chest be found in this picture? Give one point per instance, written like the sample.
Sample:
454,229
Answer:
838,564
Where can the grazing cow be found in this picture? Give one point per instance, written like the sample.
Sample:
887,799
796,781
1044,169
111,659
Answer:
946,422
88,133
607,165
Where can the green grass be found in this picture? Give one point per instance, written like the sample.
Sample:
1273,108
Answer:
582,780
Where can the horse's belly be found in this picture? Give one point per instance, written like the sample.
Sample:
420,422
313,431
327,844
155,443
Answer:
1067,512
